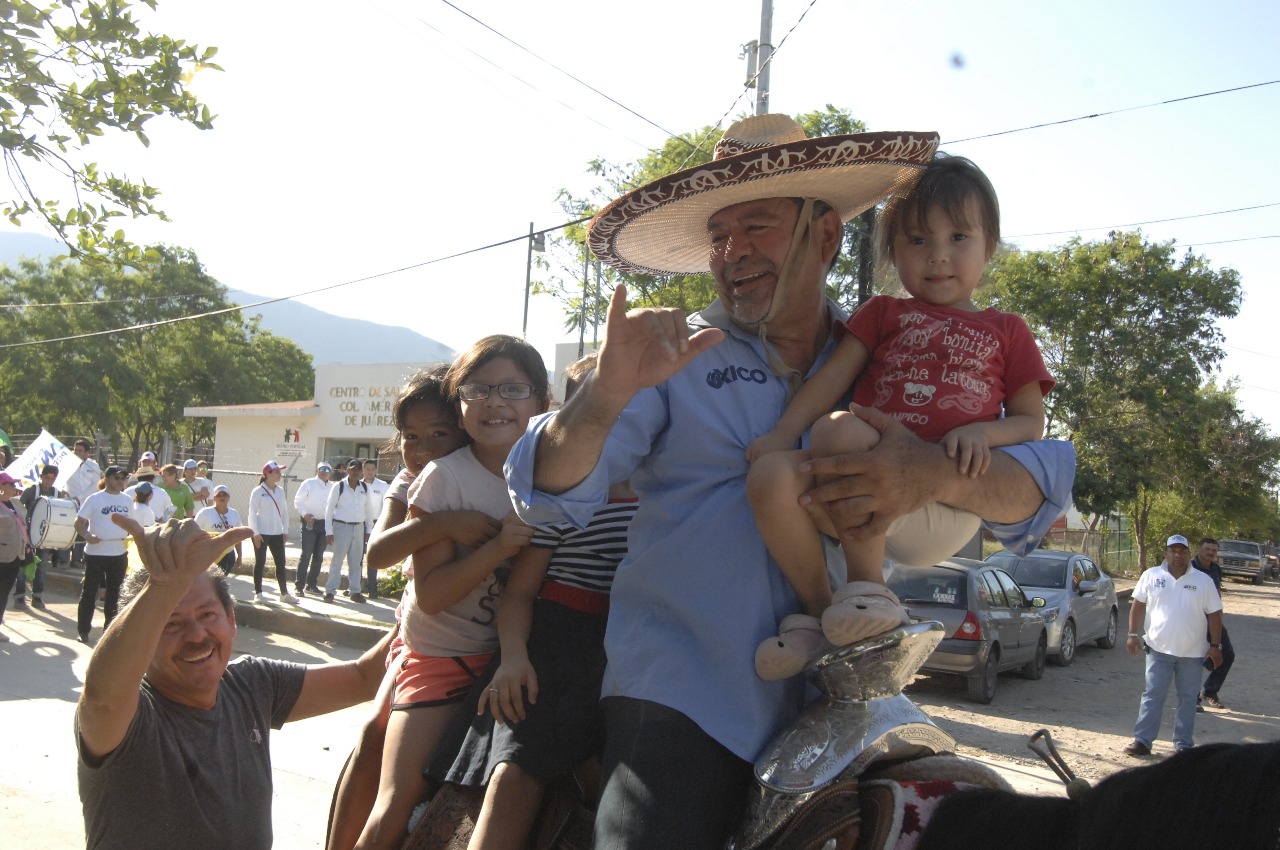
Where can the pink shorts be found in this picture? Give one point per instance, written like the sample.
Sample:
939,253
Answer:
428,680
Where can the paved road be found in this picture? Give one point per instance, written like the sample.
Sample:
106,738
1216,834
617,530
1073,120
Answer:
42,670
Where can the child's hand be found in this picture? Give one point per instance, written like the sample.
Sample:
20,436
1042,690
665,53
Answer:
768,444
514,535
968,445
505,694
472,528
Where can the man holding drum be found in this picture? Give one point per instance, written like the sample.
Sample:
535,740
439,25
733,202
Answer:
30,496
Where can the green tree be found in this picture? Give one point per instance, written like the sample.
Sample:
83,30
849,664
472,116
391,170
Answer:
72,71
134,384
1129,330
563,268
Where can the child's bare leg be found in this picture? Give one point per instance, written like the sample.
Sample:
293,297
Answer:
510,807
864,606
412,736
841,433
774,485
358,788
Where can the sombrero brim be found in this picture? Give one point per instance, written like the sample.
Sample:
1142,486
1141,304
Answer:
661,228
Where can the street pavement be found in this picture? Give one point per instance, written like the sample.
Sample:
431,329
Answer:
42,672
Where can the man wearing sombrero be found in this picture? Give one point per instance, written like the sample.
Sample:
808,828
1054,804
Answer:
673,404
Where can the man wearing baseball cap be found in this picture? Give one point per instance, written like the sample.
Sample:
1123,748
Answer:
104,553
1175,602
309,501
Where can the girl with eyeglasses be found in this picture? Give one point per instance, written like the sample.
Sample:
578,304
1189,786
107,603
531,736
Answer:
449,611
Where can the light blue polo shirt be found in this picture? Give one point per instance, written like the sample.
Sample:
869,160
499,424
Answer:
697,591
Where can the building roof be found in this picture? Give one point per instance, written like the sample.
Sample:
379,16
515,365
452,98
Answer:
271,408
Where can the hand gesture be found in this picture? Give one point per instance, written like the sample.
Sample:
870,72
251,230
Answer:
970,447
514,535
505,695
768,444
178,551
644,347
472,528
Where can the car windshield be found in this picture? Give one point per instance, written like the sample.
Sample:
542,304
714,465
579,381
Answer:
1041,572
1242,547
930,586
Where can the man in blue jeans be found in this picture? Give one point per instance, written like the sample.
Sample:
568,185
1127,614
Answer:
1175,601
1206,561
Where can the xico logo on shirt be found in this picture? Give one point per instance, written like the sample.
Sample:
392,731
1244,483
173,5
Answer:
114,509
717,378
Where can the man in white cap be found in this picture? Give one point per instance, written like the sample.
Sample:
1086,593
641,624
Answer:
673,405
1176,602
309,501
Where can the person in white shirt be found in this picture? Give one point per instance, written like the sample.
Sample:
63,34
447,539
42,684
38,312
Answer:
312,496
220,517
269,519
104,552
160,503
345,515
377,492
1176,602
142,494
82,483
200,487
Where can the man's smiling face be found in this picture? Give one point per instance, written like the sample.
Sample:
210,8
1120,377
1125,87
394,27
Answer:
194,648
749,245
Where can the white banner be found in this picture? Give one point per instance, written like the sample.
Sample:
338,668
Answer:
44,451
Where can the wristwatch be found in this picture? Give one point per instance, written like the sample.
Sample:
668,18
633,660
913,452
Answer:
1215,646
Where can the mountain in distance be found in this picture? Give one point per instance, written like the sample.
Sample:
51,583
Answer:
326,337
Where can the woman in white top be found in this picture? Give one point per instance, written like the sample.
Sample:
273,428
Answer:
220,517
269,519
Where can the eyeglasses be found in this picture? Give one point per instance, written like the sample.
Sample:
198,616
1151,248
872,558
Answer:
476,392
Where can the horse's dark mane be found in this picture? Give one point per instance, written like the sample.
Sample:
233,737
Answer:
1218,795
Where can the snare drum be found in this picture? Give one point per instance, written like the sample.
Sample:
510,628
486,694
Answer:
53,523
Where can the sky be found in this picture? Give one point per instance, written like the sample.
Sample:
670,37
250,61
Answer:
360,142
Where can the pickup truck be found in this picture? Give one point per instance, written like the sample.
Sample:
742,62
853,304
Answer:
1242,558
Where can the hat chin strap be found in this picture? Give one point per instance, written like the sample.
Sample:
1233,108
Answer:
801,245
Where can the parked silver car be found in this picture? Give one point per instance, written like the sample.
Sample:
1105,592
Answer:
991,625
1080,598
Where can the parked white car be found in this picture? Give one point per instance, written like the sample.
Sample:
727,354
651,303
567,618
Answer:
1080,599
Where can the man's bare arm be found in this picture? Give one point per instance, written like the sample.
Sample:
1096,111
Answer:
330,687
174,555
904,473
641,348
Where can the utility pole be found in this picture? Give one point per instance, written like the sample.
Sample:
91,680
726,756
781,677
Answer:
536,243
765,52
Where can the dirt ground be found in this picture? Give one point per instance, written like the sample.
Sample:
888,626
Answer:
1090,707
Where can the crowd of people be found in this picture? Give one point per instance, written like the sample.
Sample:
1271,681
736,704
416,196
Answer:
591,586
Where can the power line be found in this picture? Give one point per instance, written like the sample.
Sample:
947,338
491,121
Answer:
1152,221
147,325
1111,112
524,236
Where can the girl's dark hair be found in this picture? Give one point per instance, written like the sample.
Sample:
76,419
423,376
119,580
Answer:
514,349
425,387
948,182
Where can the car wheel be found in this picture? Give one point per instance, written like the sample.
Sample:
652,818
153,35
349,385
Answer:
1067,651
981,687
1034,668
1108,641
1257,577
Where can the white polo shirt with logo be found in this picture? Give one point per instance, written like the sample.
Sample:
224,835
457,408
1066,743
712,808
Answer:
1177,610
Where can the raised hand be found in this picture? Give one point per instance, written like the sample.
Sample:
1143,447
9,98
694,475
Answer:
644,347
178,550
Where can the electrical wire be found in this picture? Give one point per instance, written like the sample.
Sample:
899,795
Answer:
1111,112
1141,223
193,317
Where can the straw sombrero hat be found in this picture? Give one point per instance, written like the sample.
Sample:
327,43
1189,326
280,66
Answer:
661,228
